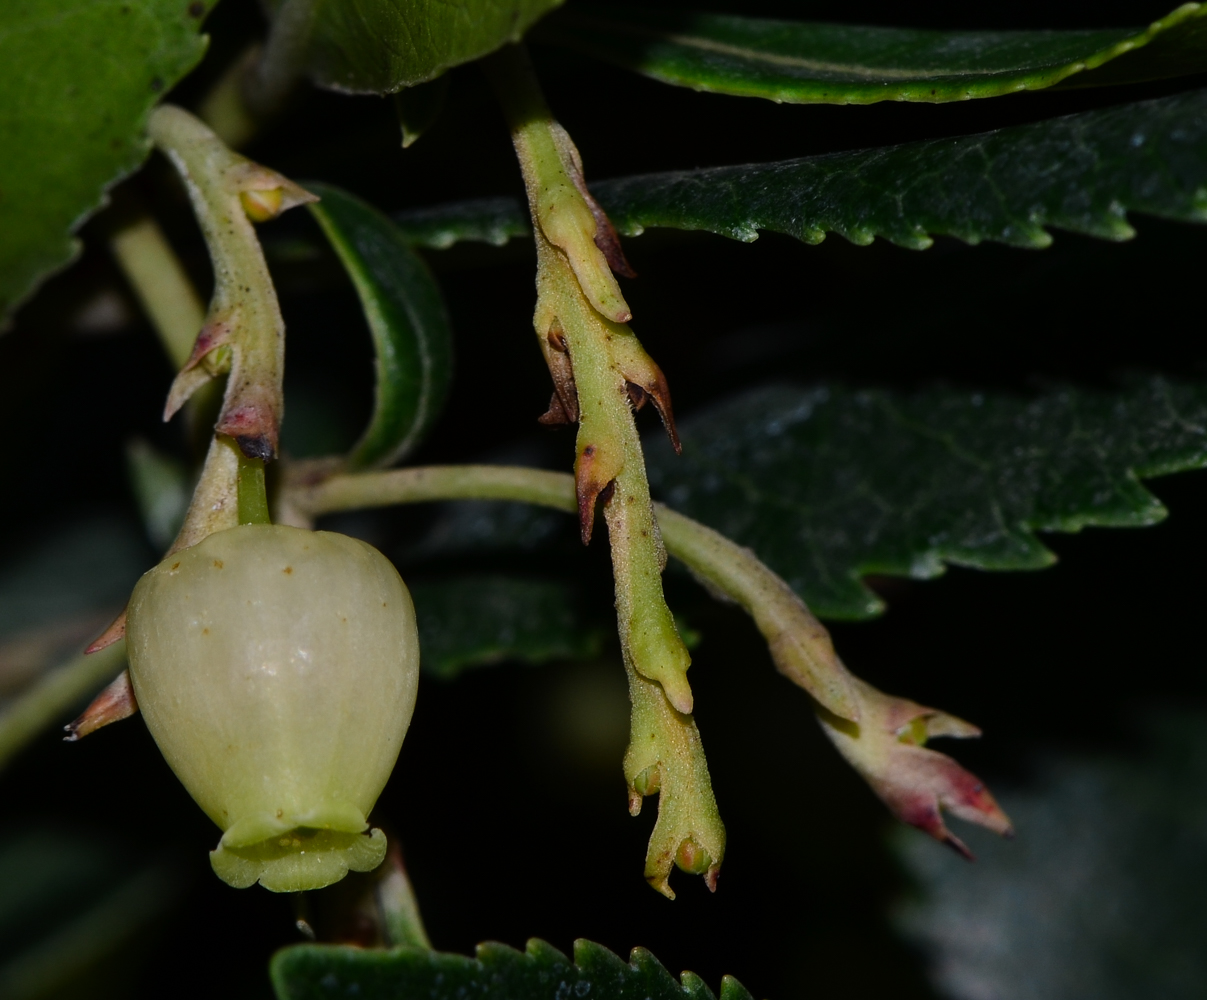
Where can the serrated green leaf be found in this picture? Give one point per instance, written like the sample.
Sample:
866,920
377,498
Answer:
800,62
474,620
829,484
1082,173
541,972
78,79
381,46
407,319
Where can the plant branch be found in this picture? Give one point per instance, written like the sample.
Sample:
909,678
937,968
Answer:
882,737
799,643
431,483
562,208
215,503
600,372
244,331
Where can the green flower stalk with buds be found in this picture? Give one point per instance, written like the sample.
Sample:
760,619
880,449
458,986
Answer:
276,666
276,662
601,374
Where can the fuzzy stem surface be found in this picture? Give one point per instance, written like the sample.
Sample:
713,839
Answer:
244,332
799,643
599,367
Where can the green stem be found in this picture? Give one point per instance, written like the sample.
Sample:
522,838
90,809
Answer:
167,295
553,176
253,497
54,695
665,754
599,369
244,331
435,483
215,503
799,643
610,459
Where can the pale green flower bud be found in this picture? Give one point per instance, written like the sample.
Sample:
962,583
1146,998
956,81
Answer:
276,669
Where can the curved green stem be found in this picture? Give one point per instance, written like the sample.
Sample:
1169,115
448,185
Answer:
561,207
799,643
215,503
225,109
54,694
665,753
244,332
434,483
881,736
599,368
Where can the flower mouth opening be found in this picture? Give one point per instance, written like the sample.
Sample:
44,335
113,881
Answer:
299,859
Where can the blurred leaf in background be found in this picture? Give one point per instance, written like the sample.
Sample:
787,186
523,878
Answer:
1100,898
162,487
75,916
57,592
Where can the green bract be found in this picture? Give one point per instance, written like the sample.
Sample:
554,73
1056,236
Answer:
276,669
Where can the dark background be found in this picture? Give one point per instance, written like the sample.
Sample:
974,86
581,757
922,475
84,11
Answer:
510,827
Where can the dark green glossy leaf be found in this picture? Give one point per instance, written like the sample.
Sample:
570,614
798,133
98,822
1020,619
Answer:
78,78
828,484
318,972
1082,173
470,621
800,62
381,46
406,317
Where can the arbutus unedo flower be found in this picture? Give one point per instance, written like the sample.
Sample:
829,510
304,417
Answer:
276,669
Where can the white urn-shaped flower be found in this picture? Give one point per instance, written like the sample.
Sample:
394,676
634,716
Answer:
276,669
